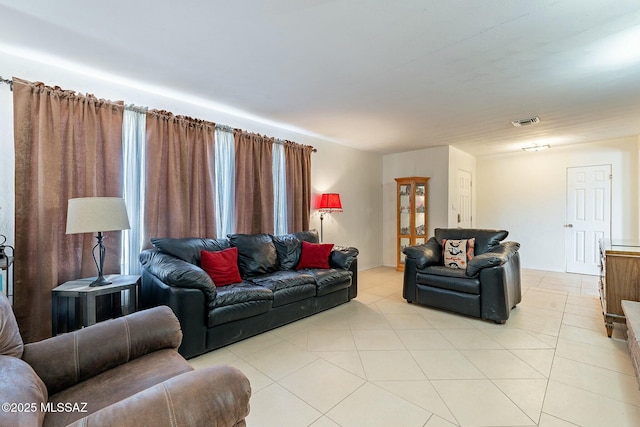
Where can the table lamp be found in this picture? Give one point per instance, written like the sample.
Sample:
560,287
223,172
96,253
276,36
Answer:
97,215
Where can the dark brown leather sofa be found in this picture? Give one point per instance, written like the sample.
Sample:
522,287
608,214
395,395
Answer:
121,372
489,287
272,291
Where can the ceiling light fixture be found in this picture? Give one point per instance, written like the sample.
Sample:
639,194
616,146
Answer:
525,122
536,147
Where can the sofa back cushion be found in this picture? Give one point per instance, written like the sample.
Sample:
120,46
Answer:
485,239
289,248
256,254
310,236
10,340
188,249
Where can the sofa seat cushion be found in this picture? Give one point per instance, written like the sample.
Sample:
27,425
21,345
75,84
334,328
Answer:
239,301
440,270
117,384
288,286
331,280
448,278
20,384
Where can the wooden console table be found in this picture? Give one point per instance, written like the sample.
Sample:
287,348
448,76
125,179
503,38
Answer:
619,278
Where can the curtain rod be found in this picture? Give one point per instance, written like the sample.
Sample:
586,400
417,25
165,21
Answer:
9,82
224,127
144,110
283,142
132,107
276,140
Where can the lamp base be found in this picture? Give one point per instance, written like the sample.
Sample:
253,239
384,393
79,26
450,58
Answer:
100,281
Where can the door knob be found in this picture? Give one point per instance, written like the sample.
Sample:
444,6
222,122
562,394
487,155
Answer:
568,225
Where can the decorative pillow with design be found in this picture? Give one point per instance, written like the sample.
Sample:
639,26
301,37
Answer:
221,266
458,252
315,255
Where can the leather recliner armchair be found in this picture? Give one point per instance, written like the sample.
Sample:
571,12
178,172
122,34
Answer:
121,372
488,288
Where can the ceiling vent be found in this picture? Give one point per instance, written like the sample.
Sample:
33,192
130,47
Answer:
526,122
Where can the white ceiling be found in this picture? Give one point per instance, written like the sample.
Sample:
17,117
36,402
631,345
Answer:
380,75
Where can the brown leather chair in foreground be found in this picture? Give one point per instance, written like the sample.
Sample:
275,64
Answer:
122,372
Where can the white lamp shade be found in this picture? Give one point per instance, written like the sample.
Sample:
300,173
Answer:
93,214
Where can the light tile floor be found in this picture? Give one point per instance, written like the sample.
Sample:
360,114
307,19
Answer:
379,361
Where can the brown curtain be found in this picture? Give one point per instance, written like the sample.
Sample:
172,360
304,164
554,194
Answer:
179,194
66,145
298,172
254,183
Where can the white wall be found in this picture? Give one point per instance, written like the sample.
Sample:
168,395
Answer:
431,162
525,193
355,174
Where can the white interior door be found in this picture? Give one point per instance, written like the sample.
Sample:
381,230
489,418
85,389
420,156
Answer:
463,198
588,216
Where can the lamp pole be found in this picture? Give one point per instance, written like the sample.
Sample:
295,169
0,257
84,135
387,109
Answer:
321,227
101,280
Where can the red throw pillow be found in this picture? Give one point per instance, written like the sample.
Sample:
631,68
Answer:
315,255
221,266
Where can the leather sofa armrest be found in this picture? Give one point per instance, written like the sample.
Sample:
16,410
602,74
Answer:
68,359
342,257
178,273
429,253
20,385
217,396
497,255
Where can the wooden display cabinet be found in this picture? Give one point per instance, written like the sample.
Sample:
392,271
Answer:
412,211
619,278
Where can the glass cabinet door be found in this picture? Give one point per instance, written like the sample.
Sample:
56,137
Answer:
405,210
412,214
404,242
420,214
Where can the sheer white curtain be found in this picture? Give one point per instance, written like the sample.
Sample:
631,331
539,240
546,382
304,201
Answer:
225,160
279,190
134,124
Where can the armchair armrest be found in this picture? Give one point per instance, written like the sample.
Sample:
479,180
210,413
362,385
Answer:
497,255
342,257
68,359
178,273
217,396
426,254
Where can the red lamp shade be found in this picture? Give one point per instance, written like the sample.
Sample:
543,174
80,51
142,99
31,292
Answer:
330,202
